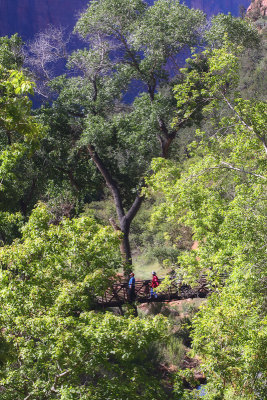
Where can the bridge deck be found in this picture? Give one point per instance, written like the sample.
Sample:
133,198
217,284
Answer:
118,294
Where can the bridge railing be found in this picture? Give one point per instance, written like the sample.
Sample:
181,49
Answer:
118,293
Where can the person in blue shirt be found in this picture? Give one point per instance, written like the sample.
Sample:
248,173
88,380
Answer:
131,287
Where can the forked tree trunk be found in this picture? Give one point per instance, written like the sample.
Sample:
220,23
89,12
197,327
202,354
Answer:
125,219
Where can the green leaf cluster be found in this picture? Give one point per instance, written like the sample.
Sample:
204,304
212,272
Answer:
220,194
239,31
20,135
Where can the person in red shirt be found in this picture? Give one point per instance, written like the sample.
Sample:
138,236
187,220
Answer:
154,284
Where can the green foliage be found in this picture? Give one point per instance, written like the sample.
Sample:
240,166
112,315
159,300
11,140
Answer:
15,106
68,176
171,353
9,226
230,335
126,138
95,356
219,194
73,259
20,134
112,16
241,32
253,74
208,78
57,347
182,376
11,54
160,35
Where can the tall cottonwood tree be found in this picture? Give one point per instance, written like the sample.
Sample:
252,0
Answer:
121,104
124,91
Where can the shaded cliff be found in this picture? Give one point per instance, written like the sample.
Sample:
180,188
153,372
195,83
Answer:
212,7
28,17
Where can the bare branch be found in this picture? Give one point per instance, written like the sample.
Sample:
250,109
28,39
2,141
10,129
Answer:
44,51
227,166
57,377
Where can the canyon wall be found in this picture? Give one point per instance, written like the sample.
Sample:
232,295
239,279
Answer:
257,9
28,17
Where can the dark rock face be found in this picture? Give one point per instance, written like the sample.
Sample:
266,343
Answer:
28,17
212,7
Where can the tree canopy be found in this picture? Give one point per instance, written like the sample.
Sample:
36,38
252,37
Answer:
53,345
219,194
20,135
118,108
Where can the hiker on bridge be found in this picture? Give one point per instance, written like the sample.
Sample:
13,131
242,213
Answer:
131,287
154,285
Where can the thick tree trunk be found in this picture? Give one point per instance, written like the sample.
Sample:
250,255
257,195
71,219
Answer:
124,219
166,138
125,247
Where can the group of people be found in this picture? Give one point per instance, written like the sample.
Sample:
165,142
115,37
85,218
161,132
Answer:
153,285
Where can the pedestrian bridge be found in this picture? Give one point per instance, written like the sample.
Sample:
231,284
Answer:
118,295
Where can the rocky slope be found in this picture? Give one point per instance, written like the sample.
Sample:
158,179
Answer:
28,17
257,9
